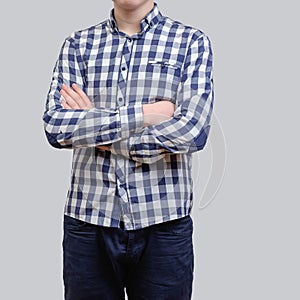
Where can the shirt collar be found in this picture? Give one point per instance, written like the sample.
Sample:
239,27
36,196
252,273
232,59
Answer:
150,20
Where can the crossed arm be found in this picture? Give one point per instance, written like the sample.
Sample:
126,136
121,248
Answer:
71,121
75,98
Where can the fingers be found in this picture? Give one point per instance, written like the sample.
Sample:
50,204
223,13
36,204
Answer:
69,100
65,105
82,95
75,98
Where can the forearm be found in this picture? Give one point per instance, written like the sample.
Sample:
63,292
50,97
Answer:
124,148
68,128
183,133
70,118
153,114
187,131
72,121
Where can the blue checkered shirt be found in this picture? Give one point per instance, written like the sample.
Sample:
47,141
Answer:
146,177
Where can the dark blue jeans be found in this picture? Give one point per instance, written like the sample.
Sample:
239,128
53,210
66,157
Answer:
154,263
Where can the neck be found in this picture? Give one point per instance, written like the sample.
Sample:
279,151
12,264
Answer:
129,18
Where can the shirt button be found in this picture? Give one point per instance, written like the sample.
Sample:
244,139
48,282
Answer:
123,68
120,100
129,40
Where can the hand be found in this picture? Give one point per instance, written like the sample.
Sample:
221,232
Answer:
157,112
75,98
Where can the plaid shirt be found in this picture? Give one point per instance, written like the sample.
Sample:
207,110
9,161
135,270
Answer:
146,177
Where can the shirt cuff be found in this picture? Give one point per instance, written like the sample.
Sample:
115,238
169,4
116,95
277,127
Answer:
131,118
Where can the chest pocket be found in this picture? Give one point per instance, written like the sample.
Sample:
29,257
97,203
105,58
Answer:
157,79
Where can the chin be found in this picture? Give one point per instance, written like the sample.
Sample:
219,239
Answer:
132,4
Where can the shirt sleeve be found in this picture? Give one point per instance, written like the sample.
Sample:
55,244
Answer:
187,131
68,128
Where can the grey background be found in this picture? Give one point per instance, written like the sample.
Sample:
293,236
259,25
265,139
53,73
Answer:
247,239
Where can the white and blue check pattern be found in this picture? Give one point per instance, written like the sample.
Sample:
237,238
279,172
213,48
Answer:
146,177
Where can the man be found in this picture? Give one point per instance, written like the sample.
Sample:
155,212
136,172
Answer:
132,96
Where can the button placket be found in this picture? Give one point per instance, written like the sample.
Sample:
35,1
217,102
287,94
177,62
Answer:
122,163
126,53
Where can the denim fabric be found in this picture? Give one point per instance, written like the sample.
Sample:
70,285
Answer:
154,263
